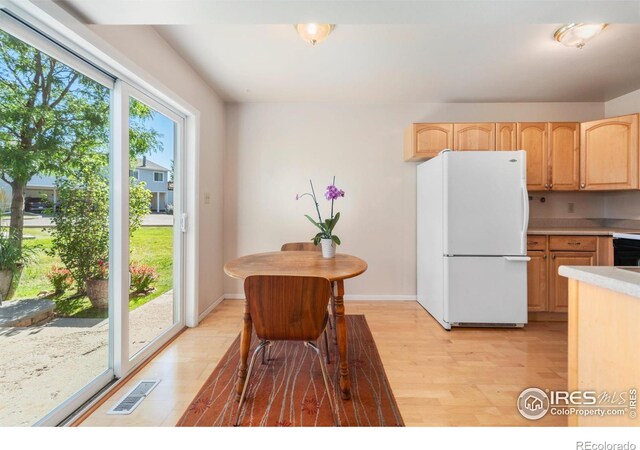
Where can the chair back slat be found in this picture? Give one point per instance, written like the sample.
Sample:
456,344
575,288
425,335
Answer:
300,247
287,307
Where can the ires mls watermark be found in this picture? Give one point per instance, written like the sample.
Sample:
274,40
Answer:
534,403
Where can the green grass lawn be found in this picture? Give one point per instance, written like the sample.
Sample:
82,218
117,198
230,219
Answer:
152,246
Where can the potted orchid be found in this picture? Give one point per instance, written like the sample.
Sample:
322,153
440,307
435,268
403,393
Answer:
325,237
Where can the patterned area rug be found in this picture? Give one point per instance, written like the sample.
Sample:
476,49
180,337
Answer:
289,391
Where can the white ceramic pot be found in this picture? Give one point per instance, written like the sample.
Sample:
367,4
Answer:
328,248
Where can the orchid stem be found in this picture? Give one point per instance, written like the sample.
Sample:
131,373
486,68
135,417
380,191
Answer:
316,203
334,183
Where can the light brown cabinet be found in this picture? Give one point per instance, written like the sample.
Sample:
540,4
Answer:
506,136
564,156
558,292
425,140
561,156
532,137
546,290
474,136
609,154
537,276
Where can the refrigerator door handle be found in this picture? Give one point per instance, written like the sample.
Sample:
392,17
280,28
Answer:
517,258
525,216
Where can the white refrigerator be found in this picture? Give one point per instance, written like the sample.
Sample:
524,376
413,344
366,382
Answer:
472,217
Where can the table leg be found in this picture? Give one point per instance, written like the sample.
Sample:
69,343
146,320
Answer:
245,343
341,331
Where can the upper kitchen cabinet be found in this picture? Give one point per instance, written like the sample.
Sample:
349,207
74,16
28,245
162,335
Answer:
609,154
474,136
506,136
425,140
532,137
564,156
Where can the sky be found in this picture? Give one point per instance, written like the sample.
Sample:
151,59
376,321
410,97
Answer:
165,127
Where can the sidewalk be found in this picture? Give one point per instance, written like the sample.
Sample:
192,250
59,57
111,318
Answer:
150,220
44,365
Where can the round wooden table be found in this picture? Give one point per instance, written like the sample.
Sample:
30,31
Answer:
299,263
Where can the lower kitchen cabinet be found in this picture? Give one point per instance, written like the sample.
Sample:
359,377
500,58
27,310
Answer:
546,290
558,292
537,281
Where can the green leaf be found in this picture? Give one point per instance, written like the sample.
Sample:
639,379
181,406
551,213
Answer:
335,239
314,222
335,221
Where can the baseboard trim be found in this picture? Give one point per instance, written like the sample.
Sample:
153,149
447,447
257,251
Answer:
206,312
401,298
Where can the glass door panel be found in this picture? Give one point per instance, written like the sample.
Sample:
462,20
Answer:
54,235
154,246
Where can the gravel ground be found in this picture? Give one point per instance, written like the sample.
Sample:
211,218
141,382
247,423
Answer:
41,366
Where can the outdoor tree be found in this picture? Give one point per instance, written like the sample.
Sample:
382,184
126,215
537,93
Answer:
54,121
81,234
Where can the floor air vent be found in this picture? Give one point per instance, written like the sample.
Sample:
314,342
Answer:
129,402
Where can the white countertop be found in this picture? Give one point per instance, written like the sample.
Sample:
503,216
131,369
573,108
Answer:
613,278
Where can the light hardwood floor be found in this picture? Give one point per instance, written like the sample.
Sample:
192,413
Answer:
467,377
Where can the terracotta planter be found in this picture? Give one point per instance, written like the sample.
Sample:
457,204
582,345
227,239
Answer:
9,281
98,293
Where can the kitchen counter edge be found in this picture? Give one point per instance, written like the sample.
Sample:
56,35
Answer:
613,278
578,231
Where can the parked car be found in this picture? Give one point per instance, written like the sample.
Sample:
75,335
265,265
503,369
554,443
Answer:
169,208
35,204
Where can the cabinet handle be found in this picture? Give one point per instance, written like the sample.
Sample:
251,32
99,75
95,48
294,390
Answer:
582,185
573,243
553,256
544,257
551,185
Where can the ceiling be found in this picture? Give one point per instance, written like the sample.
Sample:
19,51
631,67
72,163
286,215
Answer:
393,51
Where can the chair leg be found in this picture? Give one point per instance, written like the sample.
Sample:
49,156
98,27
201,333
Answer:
267,350
260,346
326,345
325,377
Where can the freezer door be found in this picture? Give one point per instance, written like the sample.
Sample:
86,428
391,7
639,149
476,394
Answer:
486,205
486,290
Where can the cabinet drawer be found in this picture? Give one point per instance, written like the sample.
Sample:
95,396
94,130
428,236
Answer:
536,242
576,243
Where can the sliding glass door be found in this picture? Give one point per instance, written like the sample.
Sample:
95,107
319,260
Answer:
91,227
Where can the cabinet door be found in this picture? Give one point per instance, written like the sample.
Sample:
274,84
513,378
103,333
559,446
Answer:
609,154
425,140
564,156
537,281
474,136
558,295
506,136
532,137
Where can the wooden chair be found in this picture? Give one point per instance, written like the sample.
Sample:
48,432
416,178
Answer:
310,247
288,308
300,247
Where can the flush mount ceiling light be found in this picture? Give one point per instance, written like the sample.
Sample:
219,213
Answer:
314,32
577,34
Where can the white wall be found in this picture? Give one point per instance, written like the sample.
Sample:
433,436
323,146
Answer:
273,150
625,104
143,46
586,205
